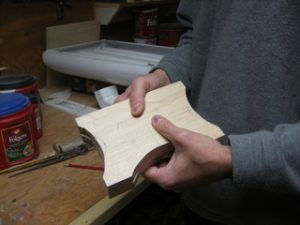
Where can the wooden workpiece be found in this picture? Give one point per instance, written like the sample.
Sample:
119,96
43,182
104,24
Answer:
130,144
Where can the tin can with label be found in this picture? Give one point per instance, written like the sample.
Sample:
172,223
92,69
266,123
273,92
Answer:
18,143
146,23
26,84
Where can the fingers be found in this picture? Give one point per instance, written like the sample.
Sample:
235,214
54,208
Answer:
168,129
154,174
139,88
164,176
123,96
160,175
136,94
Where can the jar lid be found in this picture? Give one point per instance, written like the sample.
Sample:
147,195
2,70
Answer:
12,81
12,102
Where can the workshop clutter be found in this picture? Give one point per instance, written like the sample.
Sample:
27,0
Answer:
28,85
18,141
148,30
145,26
169,34
20,119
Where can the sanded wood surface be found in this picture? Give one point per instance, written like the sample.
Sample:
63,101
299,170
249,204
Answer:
130,145
53,195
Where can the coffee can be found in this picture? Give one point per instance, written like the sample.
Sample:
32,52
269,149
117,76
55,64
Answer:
18,143
26,84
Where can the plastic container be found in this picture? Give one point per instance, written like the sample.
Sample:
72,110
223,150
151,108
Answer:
18,143
26,84
22,83
106,96
148,41
109,61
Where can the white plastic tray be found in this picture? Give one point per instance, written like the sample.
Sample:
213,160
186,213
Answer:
115,62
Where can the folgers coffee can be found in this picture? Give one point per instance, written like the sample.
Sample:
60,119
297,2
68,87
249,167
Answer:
26,84
18,143
145,24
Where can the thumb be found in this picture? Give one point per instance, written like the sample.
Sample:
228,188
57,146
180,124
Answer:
164,127
158,174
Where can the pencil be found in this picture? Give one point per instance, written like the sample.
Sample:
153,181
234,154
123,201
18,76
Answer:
98,168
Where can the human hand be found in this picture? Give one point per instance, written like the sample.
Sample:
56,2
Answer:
197,159
140,86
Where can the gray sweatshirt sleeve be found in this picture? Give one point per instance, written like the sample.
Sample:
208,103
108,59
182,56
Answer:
177,63
268,160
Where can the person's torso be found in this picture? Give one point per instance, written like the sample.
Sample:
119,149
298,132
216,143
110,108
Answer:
246,61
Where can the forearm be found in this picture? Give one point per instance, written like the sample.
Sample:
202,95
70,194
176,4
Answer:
268,160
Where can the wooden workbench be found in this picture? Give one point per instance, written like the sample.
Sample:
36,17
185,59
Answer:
57,195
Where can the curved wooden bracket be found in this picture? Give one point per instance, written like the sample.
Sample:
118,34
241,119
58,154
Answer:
130,145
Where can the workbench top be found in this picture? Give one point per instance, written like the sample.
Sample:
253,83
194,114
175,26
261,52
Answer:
58,195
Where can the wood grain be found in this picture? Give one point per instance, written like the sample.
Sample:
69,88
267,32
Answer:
73,33
130,145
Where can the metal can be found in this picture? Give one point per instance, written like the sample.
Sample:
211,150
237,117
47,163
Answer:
18,143
26,84
146,23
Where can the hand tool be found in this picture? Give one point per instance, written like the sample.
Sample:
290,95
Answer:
27,164
64,151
